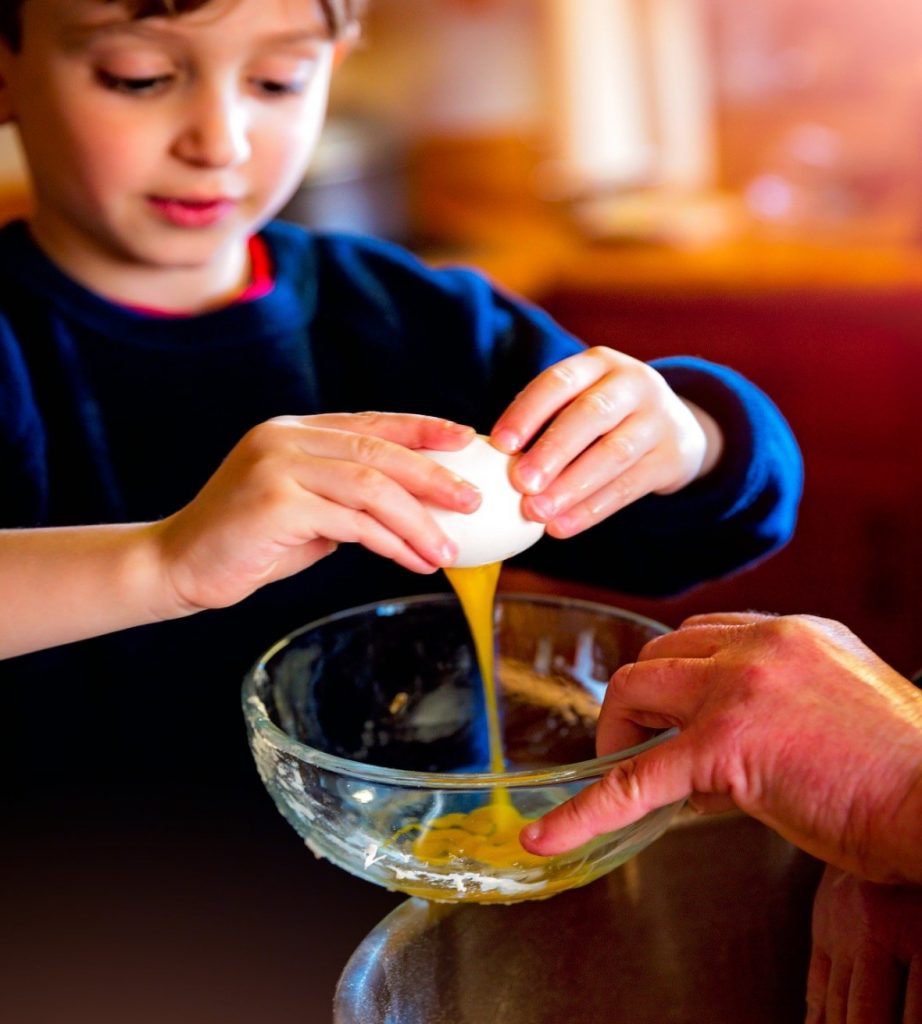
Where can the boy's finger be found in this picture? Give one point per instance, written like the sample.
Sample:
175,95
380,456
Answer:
596,433
373,536
633,787
629,486
383,503
545,396
416,473
346,525
613,472
295,560
407,429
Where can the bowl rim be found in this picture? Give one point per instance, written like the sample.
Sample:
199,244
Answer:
259,723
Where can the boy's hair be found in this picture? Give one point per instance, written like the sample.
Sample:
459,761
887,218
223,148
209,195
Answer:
338,13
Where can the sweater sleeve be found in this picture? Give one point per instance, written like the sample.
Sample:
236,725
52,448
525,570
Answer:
449,343
741,512
23,483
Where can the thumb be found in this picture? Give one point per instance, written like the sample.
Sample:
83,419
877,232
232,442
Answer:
631,788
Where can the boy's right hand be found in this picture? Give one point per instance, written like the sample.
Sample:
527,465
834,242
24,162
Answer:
295,487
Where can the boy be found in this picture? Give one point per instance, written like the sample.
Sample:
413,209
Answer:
150,321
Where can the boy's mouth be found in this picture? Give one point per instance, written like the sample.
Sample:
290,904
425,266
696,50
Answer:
192,213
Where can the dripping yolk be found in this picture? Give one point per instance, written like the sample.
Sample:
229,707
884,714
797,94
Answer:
489,834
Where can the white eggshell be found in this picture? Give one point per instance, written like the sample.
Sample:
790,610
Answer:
497,530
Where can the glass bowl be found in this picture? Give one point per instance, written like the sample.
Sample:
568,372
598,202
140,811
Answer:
368,729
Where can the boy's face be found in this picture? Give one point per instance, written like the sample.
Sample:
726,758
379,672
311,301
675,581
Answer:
165,142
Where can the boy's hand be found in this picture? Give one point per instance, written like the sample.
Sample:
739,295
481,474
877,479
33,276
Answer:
611,430
295,487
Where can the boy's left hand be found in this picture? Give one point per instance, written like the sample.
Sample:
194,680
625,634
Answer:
608,430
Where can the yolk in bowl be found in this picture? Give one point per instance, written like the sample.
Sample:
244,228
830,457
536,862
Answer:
489,834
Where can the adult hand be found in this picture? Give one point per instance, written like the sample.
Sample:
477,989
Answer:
607,430
294,487
866,964
791,719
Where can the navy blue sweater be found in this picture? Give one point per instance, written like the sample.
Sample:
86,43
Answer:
107,415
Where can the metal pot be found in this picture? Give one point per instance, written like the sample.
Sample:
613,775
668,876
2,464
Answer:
710,923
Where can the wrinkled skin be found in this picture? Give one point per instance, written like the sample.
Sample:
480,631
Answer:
791,719
866,966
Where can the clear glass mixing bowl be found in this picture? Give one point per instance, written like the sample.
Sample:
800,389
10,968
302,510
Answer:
369,725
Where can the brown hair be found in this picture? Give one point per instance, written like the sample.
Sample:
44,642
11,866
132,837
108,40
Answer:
338,13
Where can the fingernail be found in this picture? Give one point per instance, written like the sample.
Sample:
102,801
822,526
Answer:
447,554
544,507
566,523
469,497
534,831
530,478
507,440
456,428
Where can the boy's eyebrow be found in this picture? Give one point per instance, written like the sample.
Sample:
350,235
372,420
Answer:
294,38
82,35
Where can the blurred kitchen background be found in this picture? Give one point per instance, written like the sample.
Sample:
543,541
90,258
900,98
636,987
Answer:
737,180
687,122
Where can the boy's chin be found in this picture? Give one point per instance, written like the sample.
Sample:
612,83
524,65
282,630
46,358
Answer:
190,254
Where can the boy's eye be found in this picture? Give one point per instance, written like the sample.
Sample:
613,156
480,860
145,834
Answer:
274,88
281,75
133,86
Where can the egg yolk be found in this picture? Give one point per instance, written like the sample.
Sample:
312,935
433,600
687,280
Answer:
489,834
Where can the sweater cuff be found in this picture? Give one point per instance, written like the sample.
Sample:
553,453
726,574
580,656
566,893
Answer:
751,425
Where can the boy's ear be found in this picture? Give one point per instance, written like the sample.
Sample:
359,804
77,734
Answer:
346,43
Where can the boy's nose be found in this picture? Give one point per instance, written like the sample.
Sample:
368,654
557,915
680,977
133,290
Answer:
215,133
